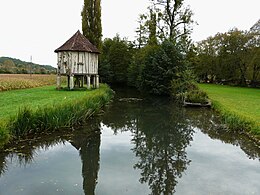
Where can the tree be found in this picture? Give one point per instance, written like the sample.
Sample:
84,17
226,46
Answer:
137,65
254,58
152,40
147,30
174,19
115,59
231,57
162,64
141,31
91,22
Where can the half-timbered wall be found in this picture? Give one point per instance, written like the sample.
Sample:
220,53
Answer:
77,63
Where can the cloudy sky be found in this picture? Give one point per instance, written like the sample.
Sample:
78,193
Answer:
37,27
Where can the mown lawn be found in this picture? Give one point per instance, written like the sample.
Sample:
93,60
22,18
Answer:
241,103
12,101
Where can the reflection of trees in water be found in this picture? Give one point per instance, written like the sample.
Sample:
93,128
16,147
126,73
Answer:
23,151
88,147
160,134
209,123
160,145
3,166
86,140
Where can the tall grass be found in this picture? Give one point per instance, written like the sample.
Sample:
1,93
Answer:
55,116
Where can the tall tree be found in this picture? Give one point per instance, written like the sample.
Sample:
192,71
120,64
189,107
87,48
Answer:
174,18
91,21
152,40
115,59
141,31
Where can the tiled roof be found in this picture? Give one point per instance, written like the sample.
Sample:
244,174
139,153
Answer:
78,42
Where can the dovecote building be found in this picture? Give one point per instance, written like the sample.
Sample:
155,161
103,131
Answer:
78,60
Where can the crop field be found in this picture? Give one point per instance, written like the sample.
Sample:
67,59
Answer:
23,81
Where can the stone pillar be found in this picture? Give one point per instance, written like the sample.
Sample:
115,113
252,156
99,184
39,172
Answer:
58,81
97,81
71,82
88,81
94,81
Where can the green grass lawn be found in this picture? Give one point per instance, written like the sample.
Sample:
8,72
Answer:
12,101
241,103
45,108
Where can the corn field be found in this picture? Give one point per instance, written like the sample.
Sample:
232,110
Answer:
24,81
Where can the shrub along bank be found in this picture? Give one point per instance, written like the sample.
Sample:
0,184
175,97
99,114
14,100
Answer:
43,109
239,107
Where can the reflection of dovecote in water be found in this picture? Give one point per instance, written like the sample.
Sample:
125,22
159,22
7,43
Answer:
78,58
88,147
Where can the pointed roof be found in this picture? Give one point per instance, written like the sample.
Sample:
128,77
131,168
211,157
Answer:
78,42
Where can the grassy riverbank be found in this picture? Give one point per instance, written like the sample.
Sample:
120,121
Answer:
46,109
239,107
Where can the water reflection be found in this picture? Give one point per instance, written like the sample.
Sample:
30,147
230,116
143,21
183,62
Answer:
161,149
160,137
89,147
85,140
209,123
161,134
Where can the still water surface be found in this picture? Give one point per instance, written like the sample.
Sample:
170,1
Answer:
148,146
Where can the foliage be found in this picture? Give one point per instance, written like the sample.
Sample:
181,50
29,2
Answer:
183,83
91,22
196,96
162,64
239,107
23,81
136,67
231,57
15,66
53,110
147,30
174,19
160,50
115,59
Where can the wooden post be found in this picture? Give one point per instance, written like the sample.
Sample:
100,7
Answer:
71,82
94,81
58,81
88,81
97,81
68,84
82,81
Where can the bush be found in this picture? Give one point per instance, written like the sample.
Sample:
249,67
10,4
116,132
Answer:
196,96
183,84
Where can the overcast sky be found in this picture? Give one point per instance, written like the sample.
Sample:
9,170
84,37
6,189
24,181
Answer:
37,27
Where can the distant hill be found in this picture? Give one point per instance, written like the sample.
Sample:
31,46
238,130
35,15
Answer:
15,66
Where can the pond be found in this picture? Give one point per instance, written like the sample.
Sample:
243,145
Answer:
139,145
